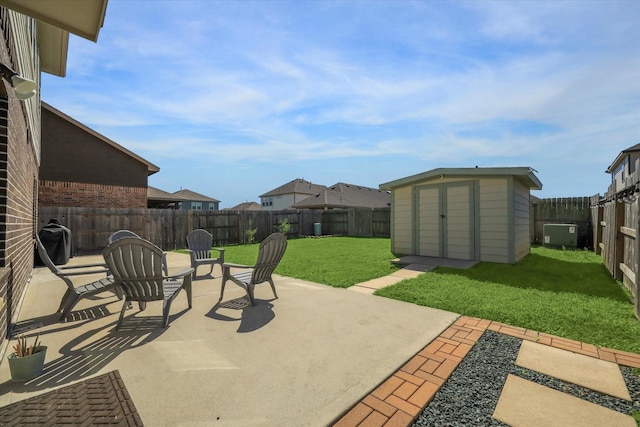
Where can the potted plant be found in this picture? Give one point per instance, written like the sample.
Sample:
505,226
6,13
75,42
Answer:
27,361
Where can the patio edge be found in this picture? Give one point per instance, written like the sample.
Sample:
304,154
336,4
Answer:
401,398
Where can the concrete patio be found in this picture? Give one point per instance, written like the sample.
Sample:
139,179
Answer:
302,359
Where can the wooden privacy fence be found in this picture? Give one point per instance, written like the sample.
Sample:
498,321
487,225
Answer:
616,231
168,228
608,224
563,210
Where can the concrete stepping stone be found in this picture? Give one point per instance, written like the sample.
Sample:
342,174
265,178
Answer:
413,270
595,374
524,403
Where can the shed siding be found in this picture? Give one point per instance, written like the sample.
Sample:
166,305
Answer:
402,230
486,217
494,218
459,238
428,222
521,205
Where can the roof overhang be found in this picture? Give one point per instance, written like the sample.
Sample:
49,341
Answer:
525,174
83,18
55,20
54,44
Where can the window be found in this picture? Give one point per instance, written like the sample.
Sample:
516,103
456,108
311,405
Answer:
196,206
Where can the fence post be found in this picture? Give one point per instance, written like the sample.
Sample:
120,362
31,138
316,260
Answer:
618,252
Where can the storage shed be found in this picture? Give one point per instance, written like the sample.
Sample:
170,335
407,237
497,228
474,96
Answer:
479,214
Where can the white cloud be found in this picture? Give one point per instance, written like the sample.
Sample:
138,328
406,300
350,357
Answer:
418,83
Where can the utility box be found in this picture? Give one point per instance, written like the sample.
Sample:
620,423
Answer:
556,235
317,229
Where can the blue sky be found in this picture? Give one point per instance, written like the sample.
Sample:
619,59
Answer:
234,98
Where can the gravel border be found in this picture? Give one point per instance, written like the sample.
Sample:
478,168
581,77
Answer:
470,395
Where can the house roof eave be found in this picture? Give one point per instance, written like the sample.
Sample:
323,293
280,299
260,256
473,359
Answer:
82,18
621,156
54,45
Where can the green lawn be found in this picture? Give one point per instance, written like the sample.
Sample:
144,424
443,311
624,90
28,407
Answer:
564,293
335,261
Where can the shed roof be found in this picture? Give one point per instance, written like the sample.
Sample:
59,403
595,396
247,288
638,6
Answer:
297,186
194,197
525,174
151,168
621,156
342,195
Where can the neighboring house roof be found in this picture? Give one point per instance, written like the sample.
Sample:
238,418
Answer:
297,186
621,156
343,195
163,196
151,168
194,197
246,206
524,173
56,19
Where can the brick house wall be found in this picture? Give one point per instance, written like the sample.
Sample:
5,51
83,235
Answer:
78,164
72,194
18,179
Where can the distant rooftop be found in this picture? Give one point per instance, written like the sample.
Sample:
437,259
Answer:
624,153
297,186
160,195
246,206
194,197
342,195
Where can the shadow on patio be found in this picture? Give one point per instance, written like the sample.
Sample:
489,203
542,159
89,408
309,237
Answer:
302,359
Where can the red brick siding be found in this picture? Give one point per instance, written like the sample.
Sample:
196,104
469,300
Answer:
18,183
78,194
19,171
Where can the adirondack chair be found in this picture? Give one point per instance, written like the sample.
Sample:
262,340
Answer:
120,234
74,294
270,253
199,242
128,233
136,265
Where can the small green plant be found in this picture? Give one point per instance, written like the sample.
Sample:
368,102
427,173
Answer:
284,227
251,231
23,350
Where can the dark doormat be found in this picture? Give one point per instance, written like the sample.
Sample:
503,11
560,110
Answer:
102,400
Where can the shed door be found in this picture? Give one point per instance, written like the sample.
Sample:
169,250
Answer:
446,221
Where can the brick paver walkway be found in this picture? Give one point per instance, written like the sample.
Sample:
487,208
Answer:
399,400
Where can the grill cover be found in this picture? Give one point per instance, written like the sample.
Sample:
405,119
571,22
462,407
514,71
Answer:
56,239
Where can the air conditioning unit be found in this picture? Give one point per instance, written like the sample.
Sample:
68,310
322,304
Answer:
556,235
